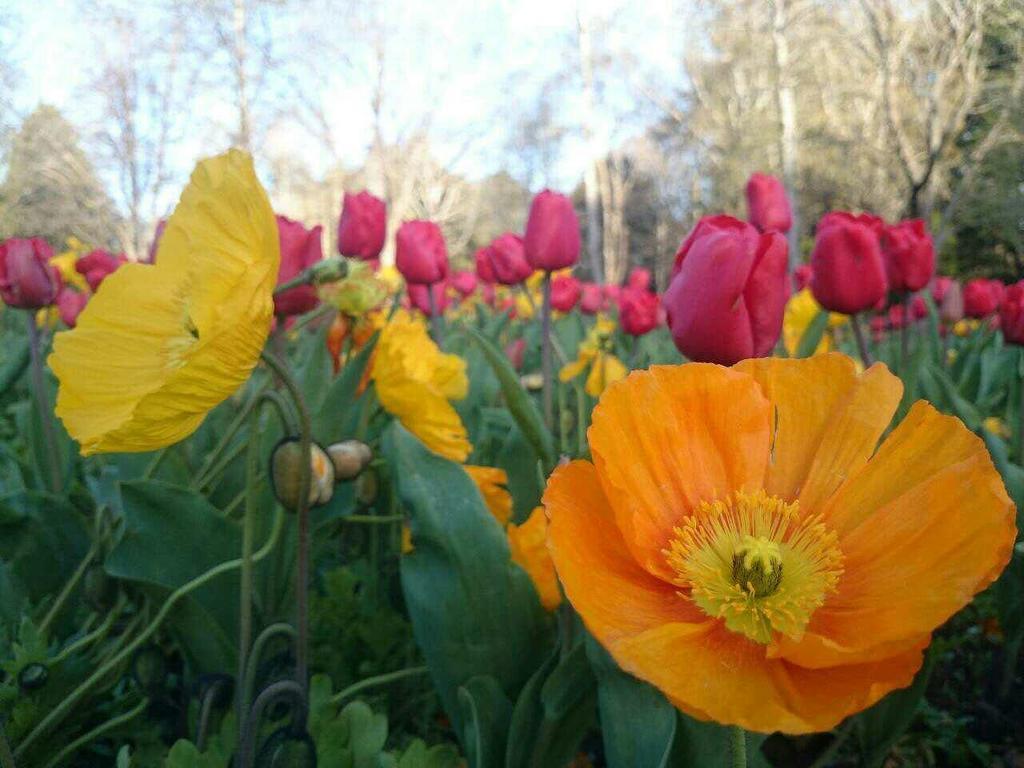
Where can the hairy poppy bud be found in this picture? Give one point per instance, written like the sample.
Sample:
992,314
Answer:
286,474
32,677
350,457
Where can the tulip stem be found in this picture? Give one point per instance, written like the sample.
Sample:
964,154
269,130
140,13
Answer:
435,321
738,747
862,344
302,513
905,336
545,316
43,402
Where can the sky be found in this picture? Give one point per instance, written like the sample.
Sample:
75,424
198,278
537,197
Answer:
471,65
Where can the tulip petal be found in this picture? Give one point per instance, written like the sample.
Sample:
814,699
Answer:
828,421
670,437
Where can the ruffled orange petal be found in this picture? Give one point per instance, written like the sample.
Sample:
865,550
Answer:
712,673
614,596
667,438
528,547
923,527
828,421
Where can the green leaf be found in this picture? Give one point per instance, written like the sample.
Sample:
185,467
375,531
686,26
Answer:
522,407
811,337
353,737
881,726
485,711
16,360
933,376
337,416
473,611
419,755
708,745
638,724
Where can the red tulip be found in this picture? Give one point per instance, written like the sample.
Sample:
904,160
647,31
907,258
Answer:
515,351
1011,314
96,265
802,276
591,299
362,226
638,311
728,296
639,278
422,256
70,304
419,297
464,282
909,255
565,292
552,239
878,325
940,287
918,309
849,270
300,248
27,279
484,269
897,317
611,293
982,297
508,259
767,204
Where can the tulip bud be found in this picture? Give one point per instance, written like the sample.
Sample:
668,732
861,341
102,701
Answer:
1011,314
362,226
27,279
951,303
70,304
729,292
591,299
552,239
32,677
909,255
508,259
639,279
367,486
350,457
286,474
767,204
638,311
421,254
982,297
464,282
565,292
300,248
484,265
849,270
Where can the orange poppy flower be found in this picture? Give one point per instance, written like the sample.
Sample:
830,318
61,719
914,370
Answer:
526,545
739,543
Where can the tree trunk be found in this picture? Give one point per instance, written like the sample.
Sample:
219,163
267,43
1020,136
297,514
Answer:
786,103
591,175
239,54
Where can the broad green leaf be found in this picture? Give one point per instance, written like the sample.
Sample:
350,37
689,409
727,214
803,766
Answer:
811,337
473,611
15,363
519,402
419,755
485,711
337,416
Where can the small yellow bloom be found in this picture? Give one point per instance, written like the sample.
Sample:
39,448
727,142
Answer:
492,483
159,345
801,310
966,327
997,427
359,292
392,278
407,545
415,382
595,353
65,264
528,544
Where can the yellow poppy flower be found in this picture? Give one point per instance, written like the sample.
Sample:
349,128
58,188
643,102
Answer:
528,545
415,381
801,309
739,543
492,483
159,345
593,354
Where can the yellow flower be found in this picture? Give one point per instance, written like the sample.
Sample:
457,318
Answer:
359,292
491,482
964,328
528,544
392,278
801,310
997,427
159,345
415,381
594,352
65,264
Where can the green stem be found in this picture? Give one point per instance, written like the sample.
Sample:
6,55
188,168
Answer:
43,403
862,344
435,320
6,758
252,460
737,747
213,456
1020,404
372,519
69,587
97,634
98,731
581,429
154,464
546,353
302,513
370,682
69,702
252,663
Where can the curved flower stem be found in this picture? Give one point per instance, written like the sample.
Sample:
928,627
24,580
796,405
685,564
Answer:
370,682
154,464
277,690
435,320
252,459
69,587
737,747
70,701
549,418
862,344
97,634
252,663
43,403
302,513
208,465
6,758
98,731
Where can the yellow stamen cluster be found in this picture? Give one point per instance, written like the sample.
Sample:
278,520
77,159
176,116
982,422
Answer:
757,563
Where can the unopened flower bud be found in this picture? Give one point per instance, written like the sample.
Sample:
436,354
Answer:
33,677
329,270
366,487
349,457
286,474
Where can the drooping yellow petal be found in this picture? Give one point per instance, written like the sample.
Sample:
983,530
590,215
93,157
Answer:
492,482
528,545
160,345
605,369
